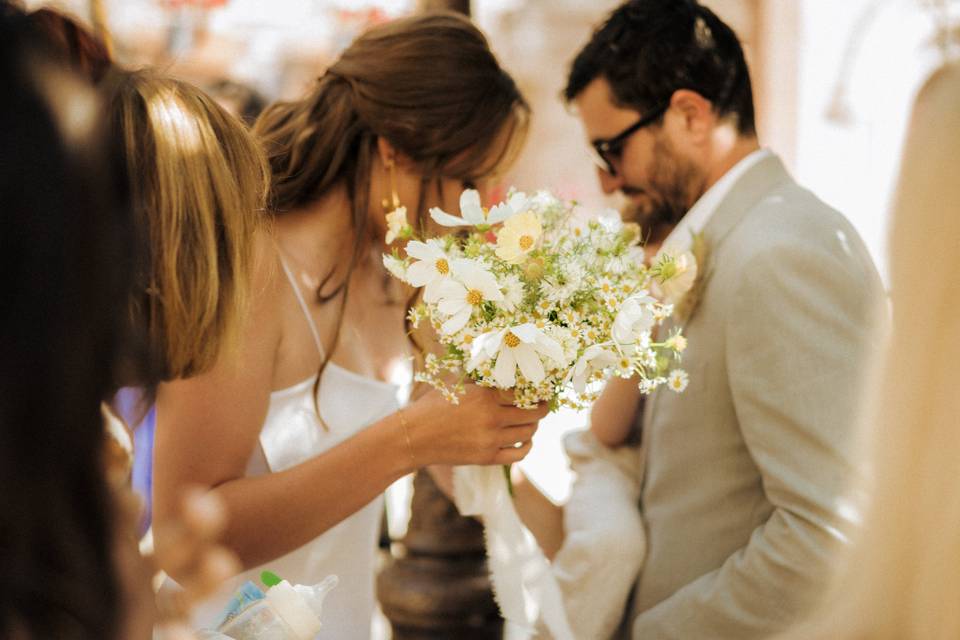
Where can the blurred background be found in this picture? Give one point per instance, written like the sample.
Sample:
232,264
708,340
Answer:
833,83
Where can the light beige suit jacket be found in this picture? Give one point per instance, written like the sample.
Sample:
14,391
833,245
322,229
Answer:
747,488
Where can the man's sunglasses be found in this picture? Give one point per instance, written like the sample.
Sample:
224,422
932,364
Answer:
608,151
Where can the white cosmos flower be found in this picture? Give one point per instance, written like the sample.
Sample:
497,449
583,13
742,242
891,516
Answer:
458,297
473,214
396,224
594,358
431,269
635,319
522,346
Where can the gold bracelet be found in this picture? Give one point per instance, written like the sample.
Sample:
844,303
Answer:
406,436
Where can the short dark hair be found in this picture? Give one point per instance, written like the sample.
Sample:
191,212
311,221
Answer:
647,49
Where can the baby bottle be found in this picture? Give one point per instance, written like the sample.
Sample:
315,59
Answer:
286,612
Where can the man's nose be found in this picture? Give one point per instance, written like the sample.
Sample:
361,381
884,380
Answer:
609,183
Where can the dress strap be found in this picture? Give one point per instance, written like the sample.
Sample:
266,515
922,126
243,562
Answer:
303,307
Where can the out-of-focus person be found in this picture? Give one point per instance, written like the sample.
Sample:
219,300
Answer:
68,542
903,580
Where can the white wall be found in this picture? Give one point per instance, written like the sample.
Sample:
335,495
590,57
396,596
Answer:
874,54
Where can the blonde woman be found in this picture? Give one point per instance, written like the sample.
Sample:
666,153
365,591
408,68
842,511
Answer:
903,581
198,184
302,431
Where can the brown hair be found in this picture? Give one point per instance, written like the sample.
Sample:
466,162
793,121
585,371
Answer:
428,84
198,185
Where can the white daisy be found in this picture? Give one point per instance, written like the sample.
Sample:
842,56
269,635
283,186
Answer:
676,342
678,380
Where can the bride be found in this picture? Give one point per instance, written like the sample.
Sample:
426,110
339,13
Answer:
301,427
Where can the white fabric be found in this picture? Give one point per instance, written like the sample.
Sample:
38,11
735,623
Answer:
681,238
523,584
604,540
291,434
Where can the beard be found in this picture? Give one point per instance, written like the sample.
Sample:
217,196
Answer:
669,193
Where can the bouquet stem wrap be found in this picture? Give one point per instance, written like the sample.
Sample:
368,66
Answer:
524,586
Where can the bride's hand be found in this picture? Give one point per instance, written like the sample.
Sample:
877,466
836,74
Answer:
484,428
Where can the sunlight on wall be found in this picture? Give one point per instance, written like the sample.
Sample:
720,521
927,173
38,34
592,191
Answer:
867,58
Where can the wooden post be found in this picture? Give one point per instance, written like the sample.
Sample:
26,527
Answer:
438,585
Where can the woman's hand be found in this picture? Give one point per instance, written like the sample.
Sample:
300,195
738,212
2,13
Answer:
190,549
484,428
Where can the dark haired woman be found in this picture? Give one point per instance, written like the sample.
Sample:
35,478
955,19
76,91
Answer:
301,429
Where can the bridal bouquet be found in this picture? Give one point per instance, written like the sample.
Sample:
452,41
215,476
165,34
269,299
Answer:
534,298
529,296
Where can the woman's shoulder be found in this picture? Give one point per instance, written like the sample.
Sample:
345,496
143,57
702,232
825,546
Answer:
264,317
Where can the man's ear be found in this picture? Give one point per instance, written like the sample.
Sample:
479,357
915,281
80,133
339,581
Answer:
698,118
386,151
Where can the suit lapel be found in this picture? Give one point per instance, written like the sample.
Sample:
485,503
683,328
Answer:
746,193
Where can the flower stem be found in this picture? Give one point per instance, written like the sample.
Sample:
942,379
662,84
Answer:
506,476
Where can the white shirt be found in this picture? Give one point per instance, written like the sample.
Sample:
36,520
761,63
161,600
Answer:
681,238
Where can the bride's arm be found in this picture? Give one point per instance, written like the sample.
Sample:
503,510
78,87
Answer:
538,513
208,426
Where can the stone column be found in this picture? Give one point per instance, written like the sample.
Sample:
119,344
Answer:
437,585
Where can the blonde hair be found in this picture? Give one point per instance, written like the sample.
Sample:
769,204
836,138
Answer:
198,184
903,580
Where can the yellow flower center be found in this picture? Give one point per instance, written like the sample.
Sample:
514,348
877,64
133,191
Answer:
577,232
468,339
511,340
605,287
474,297
443,267
526,242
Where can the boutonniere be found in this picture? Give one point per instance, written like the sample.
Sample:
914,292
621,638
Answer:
678,277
